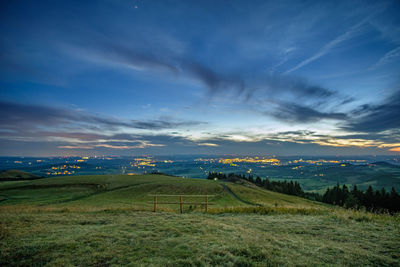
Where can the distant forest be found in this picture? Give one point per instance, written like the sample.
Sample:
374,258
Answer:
371,200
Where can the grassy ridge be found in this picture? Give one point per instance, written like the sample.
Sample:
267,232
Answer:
123,191
105,220
11,175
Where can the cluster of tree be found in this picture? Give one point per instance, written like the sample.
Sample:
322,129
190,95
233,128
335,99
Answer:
218,175
285,187
372,200
289,188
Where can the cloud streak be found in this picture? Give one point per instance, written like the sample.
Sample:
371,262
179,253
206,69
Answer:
327,48
387,58
28,117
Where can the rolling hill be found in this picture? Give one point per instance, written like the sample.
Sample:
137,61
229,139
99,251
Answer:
123,191
11,175
107,220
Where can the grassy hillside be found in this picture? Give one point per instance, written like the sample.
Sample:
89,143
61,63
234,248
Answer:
16,175
133,191
107,220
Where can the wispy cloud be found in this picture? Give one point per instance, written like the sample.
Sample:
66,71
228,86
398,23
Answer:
327,48
387,58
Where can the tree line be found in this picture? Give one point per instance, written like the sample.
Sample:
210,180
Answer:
371,200
289,188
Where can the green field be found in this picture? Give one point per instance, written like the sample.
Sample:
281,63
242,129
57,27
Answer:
108,220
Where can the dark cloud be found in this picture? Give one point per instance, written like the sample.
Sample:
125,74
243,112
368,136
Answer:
25,117
346,100
376,118
295,85
211,79
297,133
149,55
162,124
389,137
292,112
158,59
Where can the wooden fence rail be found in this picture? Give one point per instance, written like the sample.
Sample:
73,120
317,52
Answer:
205,203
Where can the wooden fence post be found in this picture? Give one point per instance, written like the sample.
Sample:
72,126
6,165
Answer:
181,204
206,203
189,202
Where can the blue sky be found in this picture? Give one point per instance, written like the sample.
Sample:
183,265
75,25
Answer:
199,77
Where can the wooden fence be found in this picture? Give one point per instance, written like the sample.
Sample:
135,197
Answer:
180,202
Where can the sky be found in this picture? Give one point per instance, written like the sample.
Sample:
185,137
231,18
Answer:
136,77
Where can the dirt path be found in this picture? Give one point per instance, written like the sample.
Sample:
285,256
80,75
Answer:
227,189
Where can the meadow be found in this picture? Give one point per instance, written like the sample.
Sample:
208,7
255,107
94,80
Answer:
107,220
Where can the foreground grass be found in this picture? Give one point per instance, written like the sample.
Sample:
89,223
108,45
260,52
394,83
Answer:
40,237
